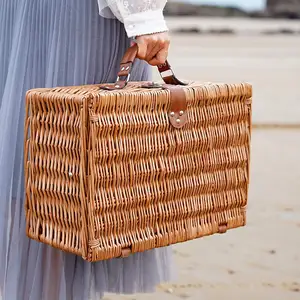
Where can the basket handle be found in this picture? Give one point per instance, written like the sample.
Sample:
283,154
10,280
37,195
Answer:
126,64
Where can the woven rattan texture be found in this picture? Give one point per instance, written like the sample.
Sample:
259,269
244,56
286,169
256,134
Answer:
107,174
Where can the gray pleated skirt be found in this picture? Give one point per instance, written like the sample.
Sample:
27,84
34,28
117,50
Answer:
46,43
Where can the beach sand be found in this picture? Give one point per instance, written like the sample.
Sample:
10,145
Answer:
262,260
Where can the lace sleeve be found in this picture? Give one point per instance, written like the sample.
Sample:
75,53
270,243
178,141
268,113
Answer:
139,16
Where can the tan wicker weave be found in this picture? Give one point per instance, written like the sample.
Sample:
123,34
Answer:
107,175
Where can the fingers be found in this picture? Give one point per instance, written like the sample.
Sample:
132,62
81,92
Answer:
153,48
158,44
151,53
142,50
160,58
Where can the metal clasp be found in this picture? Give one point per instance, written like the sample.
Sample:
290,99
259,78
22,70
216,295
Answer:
126,79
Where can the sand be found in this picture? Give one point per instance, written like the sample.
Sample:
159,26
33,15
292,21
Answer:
262,260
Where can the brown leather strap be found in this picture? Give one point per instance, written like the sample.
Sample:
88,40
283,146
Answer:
178,115
127,62
130,54
169,77
165,71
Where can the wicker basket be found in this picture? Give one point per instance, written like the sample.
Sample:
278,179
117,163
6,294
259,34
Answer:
112,170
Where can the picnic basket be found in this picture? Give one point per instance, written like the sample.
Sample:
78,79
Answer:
115,169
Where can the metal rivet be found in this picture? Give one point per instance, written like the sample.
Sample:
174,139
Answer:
70,174
178,121
181,113
172,114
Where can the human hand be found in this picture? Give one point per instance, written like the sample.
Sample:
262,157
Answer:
153,48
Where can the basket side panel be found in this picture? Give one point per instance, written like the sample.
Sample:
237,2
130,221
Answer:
53,169
153,185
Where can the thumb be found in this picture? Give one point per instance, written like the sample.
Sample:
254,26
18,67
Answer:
142,50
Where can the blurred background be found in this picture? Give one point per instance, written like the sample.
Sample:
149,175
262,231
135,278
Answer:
256,41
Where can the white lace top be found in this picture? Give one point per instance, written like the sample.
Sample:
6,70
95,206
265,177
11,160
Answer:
139,16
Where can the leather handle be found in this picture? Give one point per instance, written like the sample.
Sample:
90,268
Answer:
126,64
